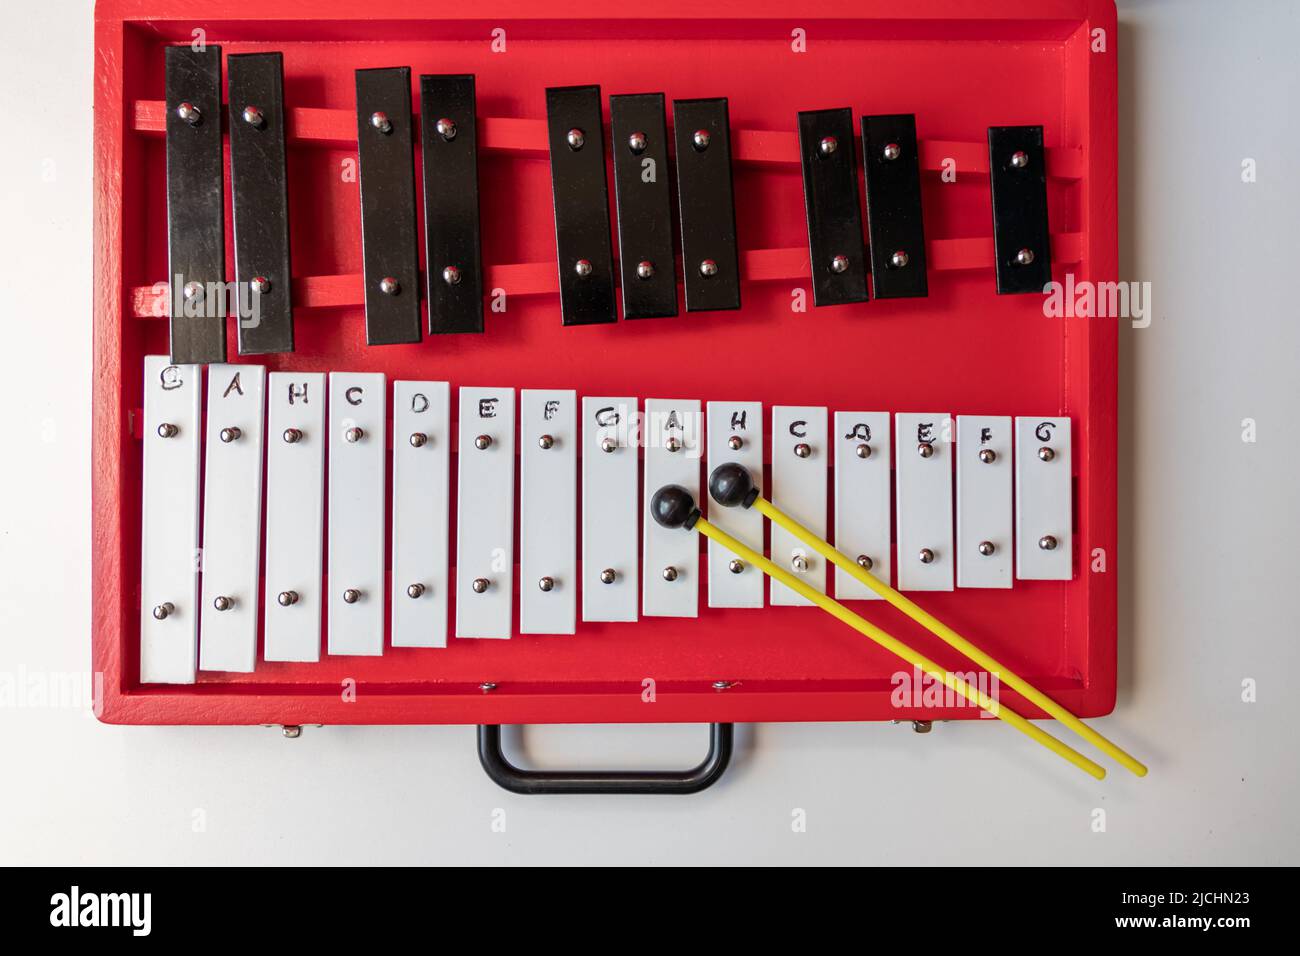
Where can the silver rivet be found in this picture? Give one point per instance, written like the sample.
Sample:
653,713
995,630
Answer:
351,596
546,583
636,142
418,439
898,259
483,442
673,443
253,116
163,611
925,556
925,449
800,563
988,456
828,145
608,445
863,450
1046,454
1047,542
723,684
292,436
487,687
582,267
735,443
608,576
381,122
701,139
190,113
260,284
839,264
354,434
736,566
193,291
287,598
708,268
223,603
546,441
291,731
1019,159
645,269
451,275
803,450
414,590
987,548
576,138
167,430
892,151
446,129
389,286
670,573
480,585
864,562
1024,257
230,434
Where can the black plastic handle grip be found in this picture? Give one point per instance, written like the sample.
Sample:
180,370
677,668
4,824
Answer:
701,777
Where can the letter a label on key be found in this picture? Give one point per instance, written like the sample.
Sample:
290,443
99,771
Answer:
670,584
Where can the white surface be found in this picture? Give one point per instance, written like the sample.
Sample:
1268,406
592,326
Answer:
1202,86
723,421
984,501
923,500
548,511
668,420
799,489
862,499
610,506
485,512
1043,500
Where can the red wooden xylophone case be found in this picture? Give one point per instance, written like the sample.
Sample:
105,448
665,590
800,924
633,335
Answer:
959,67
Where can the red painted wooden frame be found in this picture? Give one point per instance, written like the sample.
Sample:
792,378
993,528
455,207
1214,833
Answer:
962,349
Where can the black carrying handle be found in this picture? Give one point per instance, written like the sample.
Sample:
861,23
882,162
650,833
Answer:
698,778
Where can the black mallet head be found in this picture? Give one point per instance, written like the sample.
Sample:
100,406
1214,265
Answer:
731,485
673,507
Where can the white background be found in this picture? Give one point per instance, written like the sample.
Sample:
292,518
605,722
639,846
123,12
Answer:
1208,561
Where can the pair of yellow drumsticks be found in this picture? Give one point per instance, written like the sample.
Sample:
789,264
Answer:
731,485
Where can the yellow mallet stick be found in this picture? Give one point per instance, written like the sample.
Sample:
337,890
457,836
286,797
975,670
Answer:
673,507
731,485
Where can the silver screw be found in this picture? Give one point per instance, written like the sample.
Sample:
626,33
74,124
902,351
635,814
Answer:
167,430
988,456
892,151
414,590
260,284
803,450
291,731
451,275
381,122
418,439
735,443
354,434
576,138
863,450
608,445
636,142
230,434
864,562
287,598
1024,257
351,596
487,687
839,264
608,576
670,573
922,726
164,610
253,116
1020,159
701,139
546,441
292,436
723,684
708,268
828,145
987,548
480,585
190,113
446,129
483,442
582,267
800,563
193,291
926,556
645,269
673,444
736,566
898,259
223,603
1046,454
925,449
1048,542
389,286
546,583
